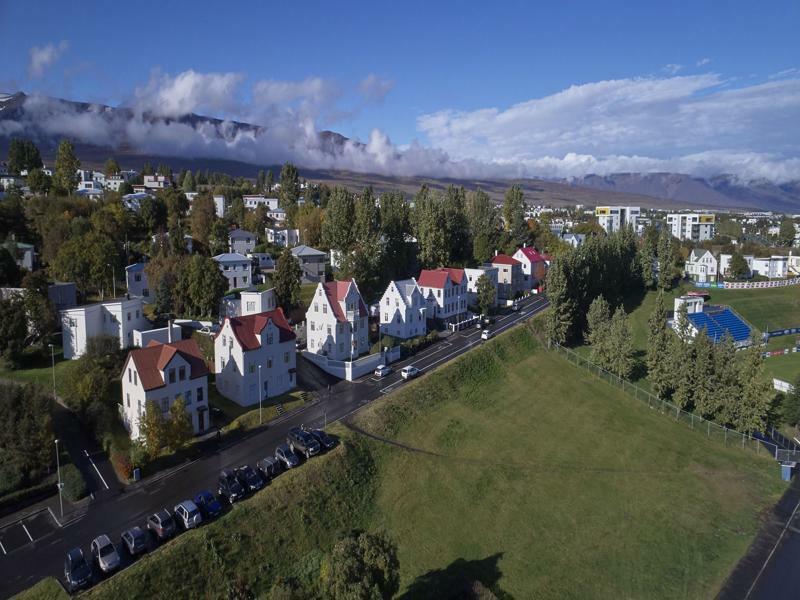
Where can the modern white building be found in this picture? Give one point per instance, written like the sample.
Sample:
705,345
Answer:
255,200
255,357
117,318
693,227
701,266
236,268
282,237
772,267
614,218
161,373
445,291
402,310
219,206
241,241
248,303
157,182
336,321
277,214
473,275
136,281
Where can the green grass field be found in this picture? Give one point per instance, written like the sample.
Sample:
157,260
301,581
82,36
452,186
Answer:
765,309
535,479
786,367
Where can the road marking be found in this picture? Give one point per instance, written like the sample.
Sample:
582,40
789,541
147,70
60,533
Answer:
3,548
95,468
28,533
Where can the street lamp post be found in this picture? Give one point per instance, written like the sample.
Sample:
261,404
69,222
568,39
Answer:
260,393
53,360
113,279
60,485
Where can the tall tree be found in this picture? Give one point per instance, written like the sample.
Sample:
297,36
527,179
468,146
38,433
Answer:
23,155
309,222
153,429
726,376
456,226
261,181
65,176
366,216
337,230
483,229
514,215
204,286
363,264
111,167
658,345
756,391
270,181
704,376
41,317
287,280
791,404
395,227
188,183
738,268
486,294
563,307
13,330
202,218
178,429
236,211
87,260
620,339
429,229
290,187
39,182
666,260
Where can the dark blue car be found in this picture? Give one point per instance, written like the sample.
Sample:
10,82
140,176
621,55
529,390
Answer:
209,506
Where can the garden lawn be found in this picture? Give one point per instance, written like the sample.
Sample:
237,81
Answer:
786,367
46,589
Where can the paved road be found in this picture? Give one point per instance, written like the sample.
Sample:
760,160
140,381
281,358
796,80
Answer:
38,549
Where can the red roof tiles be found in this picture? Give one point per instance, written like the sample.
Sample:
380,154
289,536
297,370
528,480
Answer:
437,278
504,259
245,329
336,291
151,361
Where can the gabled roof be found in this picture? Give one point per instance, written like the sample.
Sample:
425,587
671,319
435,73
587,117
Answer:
151,360
698,253
303,250
135,267
231,257
437,278
240,233
245,329
532,254
406,288
336,291
504,259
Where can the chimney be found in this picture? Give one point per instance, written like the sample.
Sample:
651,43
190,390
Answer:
495,252
169,331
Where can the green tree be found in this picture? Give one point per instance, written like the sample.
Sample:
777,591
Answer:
147,168
39,181
514,215
153,213
287,280
787,233
666,260
164,170
704,376
622,359
561,316
365,216
290,187
429,228
338,231
188,184
111,167
456,226
738,269
727,381
87,260
13,330
26,435
178,429
486,293
658,346
65,176
270,181
363,263
482,219
395,228
202,218
309,221
755,391
41,317
23,155
261,181
791,404
153,430
362,566
9,271
236,211
203,285
681,361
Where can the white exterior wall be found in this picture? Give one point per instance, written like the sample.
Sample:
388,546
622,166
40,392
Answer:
703,269
472,276
399,318
118,319
162,335
283,238
448,302
325,334
613,218
688,226
219,206
238,273
237,369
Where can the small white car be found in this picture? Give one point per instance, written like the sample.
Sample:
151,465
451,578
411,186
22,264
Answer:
487,334
105,553
382,371
409,372
188,514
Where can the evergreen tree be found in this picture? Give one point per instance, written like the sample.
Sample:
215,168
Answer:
366,216
236,211
483,229
187,183
620,343
486,294
704,376
738,269
395,226
270,181
561,316
287,280
791,404
681,360
147,169
65,176
786,232
338,232
598,333
429,229
290,187
658,347
456,226
514,215
178,429
261,181
727,381
153,429
202,218
755,391
362,566
23,155
111,167
39,182
363,264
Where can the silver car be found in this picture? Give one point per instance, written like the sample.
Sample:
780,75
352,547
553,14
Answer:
105,553
188,514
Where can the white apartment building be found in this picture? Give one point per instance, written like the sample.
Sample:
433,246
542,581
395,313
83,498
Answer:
336,321
116,318
402,310
255,357
157,182
614,218
701,266
694,227
236,268
219,206
445,291
283,238
161,373
137,283
773,267
252,201
473,275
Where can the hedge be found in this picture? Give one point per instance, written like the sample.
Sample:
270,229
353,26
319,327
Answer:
74,485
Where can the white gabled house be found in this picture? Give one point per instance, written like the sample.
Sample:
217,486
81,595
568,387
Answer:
445,291
161,373
473,274
116,318
403,310
255,357
701,266
336,321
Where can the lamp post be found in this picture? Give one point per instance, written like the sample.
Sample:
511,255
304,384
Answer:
260,393
53,361
113,279
60,485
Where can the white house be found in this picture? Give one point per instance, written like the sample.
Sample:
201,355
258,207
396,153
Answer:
773,267
236,268
694,227
255,357
219,206
248,303
701,266
262,261
161,373
445,291
402,310
157,182
254,200
136,281
281,237
574,239
473,275
117,318
336,321
241,241
614,218
277,214
312,262
534,266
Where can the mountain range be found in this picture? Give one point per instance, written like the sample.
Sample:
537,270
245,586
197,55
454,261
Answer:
100,131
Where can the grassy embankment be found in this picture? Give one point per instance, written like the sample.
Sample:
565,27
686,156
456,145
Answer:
540,481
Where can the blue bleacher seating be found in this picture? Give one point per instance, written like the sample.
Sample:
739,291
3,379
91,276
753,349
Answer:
717,321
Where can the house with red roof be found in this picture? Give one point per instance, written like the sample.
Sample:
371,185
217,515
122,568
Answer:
534,266
255,357
160,373
445,291
336,321
510,278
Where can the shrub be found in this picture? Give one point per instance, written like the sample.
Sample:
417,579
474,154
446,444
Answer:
122,465
11,477
74,485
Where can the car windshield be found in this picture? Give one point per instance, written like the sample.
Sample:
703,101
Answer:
76,561
166,522
106,550
192,513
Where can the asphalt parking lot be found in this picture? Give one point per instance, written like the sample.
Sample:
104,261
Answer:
27,531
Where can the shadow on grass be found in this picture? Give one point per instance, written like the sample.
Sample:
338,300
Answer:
461,580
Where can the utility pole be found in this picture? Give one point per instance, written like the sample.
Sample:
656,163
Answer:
260,393
60,485
53,360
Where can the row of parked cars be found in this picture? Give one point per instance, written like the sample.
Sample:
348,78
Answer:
232,486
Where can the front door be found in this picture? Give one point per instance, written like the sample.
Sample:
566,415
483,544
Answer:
201,420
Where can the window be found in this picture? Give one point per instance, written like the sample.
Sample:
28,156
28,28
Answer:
311,325
188,397
135,378
172,375
251,306
224,340
182,373
269,338
165,405
137,277
329,329
286,357
438,293
324,309
252,368
341,347
199,394
146,293
316,307
269,363
137,314
130,378
386,317
128,399
387,301
129,316
244,277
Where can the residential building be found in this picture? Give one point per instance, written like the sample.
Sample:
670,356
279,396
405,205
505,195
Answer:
162,373
136,281
157,182
701,266
116,181
24,254
236,268
249,302
277,214
445,291
473,275
134,201
510,278
282,237
90,180
255,200
255,357
614,218
9,181
117,318
574,239
262,261
219,206
534,266
692,227
62,295
312,262
336,321
241,241
772,267
402,310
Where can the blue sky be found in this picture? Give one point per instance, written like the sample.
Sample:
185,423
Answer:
469,78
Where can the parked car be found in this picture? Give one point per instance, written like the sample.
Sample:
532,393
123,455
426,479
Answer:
135,541
77,572
409,372
382,371
209,506
249,478
105,553
515,306
302,442
161,524
228,487
325,441
270,467
287,456
487,334
188,514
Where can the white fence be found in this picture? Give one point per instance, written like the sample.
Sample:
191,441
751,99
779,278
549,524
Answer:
782,386
749,285
351,370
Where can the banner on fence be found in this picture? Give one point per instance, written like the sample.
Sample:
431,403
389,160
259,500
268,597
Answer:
780,332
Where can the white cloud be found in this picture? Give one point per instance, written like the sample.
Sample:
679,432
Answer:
374,88
703,62
43,57
793,72
188,92
672,68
